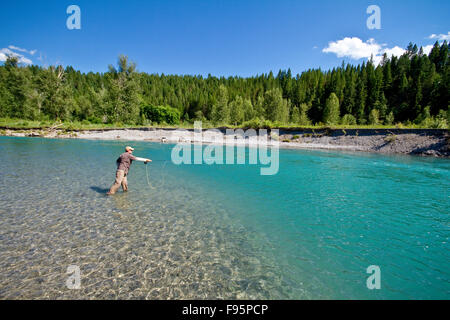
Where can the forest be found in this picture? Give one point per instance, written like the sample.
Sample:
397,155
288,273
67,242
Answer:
404,91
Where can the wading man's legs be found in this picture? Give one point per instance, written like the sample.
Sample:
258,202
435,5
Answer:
125,184
120,174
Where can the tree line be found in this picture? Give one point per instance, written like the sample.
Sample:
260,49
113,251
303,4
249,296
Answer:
412,88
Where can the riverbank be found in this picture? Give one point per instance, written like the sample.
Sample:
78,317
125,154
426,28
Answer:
426,142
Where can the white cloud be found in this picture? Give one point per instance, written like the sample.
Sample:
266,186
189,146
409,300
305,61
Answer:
356,49
395,51
32,52
440,37
17,49
5,52
427,49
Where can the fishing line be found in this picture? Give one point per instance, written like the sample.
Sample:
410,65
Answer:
163,176
148,180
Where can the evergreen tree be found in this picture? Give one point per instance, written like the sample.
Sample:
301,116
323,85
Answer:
295,116
17,84
275,106
58,101
348,104
348,119
390,119
237,112
221,111
303,119
331,112
249,112
374,117
259,108
123,91
435,56
448,117
361,99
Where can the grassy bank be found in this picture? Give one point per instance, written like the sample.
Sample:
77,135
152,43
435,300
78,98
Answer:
21,124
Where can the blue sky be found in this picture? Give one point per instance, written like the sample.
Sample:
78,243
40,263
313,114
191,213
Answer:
224,38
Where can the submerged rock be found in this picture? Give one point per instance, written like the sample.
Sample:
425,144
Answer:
432,153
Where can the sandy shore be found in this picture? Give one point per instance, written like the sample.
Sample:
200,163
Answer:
428,142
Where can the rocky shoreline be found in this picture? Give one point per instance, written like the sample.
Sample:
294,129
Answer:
425,142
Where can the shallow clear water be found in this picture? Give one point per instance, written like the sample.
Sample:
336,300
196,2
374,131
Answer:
207,232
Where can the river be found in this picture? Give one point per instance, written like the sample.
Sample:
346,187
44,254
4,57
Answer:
220,231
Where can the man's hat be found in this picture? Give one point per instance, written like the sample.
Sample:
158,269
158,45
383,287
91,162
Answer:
129,148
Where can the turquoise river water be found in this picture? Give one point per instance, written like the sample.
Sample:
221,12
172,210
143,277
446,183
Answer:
220,231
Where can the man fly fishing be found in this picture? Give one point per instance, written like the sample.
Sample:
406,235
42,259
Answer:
123,165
